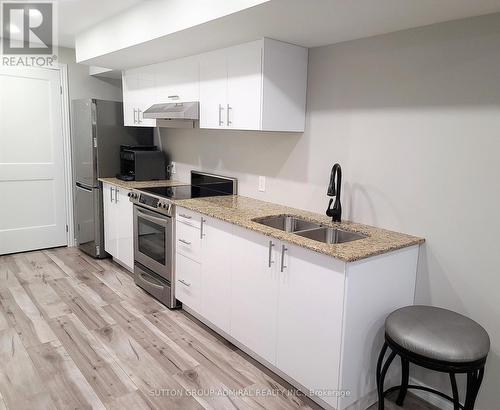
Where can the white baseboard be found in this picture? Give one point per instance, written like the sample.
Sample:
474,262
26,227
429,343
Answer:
429,397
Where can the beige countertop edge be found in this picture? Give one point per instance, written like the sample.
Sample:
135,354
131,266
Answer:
142,184
378,242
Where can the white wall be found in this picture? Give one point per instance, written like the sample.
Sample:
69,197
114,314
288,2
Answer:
82,85
414,119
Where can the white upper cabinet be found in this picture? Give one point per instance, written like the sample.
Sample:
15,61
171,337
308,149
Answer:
178,80
139,88
213,89
259,85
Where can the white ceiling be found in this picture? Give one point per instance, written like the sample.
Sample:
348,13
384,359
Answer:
310,23
78,15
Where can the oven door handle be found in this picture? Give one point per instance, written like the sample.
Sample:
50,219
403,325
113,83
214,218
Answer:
154,219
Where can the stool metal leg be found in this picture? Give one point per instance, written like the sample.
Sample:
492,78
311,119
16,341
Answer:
454,389
405,366
381,378
474,380
379,361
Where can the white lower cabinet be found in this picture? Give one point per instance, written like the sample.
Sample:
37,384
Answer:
254,292
216,272
315,319
118,225
311,297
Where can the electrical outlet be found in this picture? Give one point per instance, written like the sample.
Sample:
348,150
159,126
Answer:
262,184
173,168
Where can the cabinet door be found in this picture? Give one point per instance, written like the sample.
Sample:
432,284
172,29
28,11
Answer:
254,293
178,80
187,282
124,226
311,296
213,89
147,95
130,85
110,226
216,248
244,86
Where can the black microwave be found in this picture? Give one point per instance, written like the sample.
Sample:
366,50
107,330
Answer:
142,163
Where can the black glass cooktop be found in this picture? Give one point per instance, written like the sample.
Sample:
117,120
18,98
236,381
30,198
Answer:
189,191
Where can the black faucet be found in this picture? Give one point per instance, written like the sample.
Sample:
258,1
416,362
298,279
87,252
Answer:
334,190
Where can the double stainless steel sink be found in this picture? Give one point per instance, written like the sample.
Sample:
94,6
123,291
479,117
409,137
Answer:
307,229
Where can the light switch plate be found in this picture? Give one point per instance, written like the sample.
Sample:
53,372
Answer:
262,184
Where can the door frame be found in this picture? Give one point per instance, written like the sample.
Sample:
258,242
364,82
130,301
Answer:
68,169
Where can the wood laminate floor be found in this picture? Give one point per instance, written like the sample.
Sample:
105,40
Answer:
76,333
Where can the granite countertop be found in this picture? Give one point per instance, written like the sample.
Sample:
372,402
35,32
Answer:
240,210
141,184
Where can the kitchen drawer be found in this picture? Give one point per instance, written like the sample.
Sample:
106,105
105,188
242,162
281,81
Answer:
152,284
188,241
188,217
188,282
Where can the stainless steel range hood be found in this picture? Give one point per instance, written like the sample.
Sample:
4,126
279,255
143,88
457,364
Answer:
174,115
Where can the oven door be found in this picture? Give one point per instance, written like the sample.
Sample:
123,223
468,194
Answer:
153,241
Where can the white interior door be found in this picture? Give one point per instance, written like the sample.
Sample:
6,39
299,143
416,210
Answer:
33,208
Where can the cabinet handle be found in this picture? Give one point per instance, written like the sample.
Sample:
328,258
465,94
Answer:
271,244
173,97
201,228
117,191
184,242
135,111
184,282
185,216
221,123
283,250
139,116
227,116
111,193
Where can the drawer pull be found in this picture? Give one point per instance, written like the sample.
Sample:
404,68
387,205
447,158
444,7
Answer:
184,242
185,216
184,283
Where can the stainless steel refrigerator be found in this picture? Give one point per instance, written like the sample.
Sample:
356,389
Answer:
97,133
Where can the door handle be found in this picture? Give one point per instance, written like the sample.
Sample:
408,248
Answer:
201,228
270,261
154,219
184,283
227,116
283,250
221,123
145,279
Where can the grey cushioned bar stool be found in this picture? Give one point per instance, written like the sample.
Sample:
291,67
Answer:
437,339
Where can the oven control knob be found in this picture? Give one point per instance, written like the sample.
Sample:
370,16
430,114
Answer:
130,194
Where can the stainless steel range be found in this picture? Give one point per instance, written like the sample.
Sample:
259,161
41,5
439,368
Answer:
154,230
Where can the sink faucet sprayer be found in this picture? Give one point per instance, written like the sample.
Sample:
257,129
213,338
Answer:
334,190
